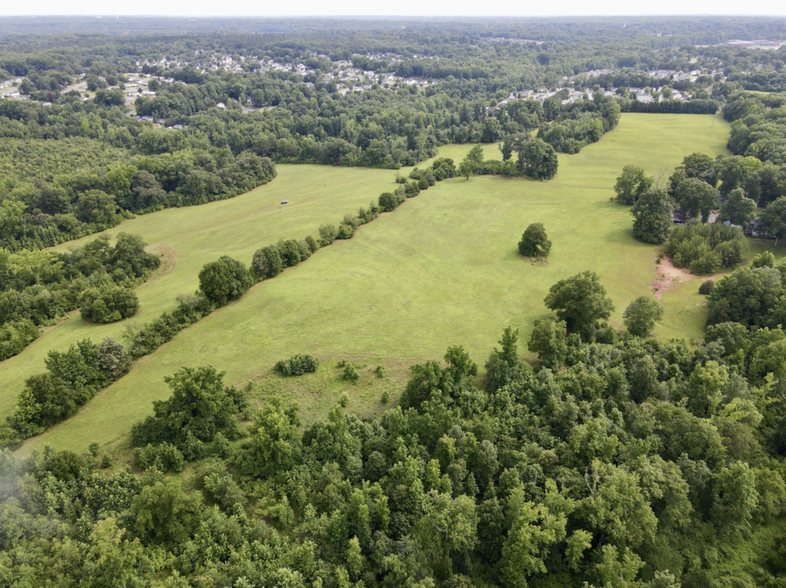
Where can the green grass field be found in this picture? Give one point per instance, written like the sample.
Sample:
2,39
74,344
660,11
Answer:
187,238
441,270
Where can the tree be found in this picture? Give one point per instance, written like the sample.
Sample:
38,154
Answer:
472,162
109,306
738,209
199,406
735,172
492,130
631,184
772,220
275,440
164,513
695,197
97,208
734,500
224,280
701,166
266,262
114,359
580,301
447,529
617,506
548,340
534,242
641,315
539,160
535,530
652,212
747,296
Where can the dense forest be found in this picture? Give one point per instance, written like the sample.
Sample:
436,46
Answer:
612,460
213,111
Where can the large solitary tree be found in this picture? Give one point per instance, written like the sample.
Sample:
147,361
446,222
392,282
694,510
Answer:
534,242
580,301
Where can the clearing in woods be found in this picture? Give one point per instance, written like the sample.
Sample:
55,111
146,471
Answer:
441,270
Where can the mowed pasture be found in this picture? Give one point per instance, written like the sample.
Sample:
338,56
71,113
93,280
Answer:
441,270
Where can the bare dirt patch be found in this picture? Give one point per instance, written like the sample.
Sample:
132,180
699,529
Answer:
667,274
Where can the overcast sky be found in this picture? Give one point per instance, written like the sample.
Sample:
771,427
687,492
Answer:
394,7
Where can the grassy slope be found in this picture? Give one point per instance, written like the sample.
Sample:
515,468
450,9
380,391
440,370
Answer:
441,270
192,236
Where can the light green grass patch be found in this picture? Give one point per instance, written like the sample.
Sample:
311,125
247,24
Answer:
441,270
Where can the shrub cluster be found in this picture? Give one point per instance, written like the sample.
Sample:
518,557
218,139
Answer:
72,378
297,365
198,419
109,306
37,289
706,249
15,336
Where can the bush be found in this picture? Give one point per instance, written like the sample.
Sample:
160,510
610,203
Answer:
114,358
345,232
350,373
224,280
327,234
297,365
290,252
313,246
411,189
15,336
109,306
765,259
443,168
164,457
389,201
707,287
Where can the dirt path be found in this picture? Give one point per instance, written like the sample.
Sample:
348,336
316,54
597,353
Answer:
168,257
667,274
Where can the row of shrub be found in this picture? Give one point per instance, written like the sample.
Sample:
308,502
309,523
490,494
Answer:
150,336
15,336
